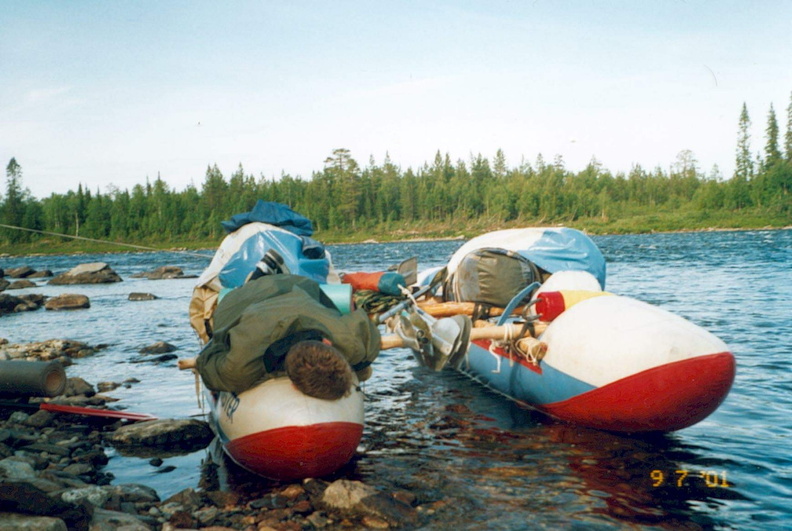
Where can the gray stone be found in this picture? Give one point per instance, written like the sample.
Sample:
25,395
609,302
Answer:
8,303
21,284
24,522
14,469
160,347
164,272
76,386
165,433
133,493
95,495
19,272
68,301
93,273
346,494
142,297
104,520
356,497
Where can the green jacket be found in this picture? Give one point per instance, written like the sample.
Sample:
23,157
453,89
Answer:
255,324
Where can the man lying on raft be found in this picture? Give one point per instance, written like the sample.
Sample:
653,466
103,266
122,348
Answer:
284,324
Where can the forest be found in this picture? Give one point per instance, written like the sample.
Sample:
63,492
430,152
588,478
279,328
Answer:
443,198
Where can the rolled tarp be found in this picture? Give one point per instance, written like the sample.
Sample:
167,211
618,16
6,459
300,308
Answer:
32,378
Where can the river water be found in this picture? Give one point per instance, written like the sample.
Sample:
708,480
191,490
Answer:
475,460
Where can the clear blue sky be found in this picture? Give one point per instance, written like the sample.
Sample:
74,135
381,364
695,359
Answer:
111,92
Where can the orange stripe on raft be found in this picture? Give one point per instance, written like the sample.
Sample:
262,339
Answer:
297,452
665,398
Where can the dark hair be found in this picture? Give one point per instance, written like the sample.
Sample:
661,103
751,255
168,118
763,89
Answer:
318,370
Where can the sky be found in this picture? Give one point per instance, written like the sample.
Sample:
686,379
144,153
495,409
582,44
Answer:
108,93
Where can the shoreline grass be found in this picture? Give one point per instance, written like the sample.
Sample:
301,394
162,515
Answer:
643,223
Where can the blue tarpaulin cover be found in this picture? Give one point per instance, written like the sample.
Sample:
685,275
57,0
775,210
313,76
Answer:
273,213
301,255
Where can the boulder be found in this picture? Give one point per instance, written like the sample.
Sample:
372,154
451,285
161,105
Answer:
41,274
20,272
142,297
93,273
21,284
22,497
160,347
4,283
357,497
9,303
68,301
187,434
161,273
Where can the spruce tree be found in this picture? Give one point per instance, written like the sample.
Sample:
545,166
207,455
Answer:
743,169
14,206
788,137
772,153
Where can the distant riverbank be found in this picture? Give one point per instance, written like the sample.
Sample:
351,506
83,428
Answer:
650,222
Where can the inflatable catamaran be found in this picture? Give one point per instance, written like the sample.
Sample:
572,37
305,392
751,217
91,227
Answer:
272,429
579,354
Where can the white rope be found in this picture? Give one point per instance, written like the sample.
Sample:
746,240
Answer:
143,247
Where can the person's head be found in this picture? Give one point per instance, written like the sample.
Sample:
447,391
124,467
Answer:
318,370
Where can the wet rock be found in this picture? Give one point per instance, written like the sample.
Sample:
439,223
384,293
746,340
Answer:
8,303
17,522
76,386
161,273
160,347
164,433
134,493
142,297
356,497
4,284
104,520
68,301
93,494
44,273
21,284
19,272
15,469
21,497
104,387
93,273
60,349
32,301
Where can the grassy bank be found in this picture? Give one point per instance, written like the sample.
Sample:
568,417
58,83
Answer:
632,223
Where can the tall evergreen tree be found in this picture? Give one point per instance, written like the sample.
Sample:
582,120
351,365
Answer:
772,153
14,206
744,164
788,136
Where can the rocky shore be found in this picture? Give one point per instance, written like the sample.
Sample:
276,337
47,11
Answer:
52,477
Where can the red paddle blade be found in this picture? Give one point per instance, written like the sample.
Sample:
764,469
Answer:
93,412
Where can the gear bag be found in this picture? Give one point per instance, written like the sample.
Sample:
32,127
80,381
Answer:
490,276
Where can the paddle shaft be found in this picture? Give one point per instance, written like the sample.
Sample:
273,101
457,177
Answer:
78,410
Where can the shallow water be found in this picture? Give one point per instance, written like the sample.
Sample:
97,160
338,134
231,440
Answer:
475,459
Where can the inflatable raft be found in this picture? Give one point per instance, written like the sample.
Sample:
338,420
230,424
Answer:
275,431
607,362
272,429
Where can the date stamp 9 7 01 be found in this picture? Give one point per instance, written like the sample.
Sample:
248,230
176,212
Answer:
682,478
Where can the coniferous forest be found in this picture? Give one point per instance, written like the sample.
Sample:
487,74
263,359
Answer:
443,198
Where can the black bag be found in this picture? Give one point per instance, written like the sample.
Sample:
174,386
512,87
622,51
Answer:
490,276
